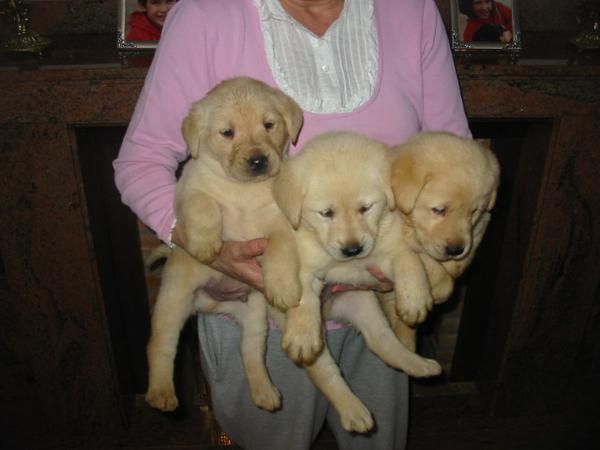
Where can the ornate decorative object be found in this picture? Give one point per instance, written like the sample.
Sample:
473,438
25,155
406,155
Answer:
588,18
23,39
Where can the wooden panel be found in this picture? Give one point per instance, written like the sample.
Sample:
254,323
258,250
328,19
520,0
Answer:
57,370
557,303
492,282
115,237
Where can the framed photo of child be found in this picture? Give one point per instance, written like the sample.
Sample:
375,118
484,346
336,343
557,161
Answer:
140,22
488,25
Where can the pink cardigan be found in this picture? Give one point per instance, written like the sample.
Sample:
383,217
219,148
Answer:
206,41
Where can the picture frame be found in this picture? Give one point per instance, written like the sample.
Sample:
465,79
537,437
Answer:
485,26
125,9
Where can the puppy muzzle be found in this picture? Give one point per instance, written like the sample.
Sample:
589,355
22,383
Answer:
454,251
352,250
258,164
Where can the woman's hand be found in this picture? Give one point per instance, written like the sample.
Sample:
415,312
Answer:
239,261
385,284
380,283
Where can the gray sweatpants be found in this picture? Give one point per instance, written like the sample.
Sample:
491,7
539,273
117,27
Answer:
294,427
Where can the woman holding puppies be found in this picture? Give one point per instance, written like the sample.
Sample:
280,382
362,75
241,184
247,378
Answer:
379,67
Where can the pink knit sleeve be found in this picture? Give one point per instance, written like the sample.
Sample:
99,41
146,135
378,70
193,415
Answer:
153,146
442,102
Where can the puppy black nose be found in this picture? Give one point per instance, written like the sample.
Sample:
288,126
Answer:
454,250
351,251
258,164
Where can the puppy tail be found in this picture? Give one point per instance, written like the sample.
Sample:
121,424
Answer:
157,257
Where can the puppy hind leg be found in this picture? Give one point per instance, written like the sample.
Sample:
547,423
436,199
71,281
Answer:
252,318
173,307
406,334
326,375
363,311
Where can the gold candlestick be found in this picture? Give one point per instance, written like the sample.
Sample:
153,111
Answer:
23,40
588,18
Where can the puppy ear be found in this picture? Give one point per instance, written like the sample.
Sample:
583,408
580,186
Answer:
494,169
408,179
492,200
389,193
291,112
391,200
193,128
289,192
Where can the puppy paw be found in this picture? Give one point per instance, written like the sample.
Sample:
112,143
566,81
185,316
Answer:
283,292
162,398
302,338
441,292
355,416
205,251
266,397
414,309
421,367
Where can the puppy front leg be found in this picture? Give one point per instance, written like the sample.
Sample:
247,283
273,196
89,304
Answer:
181,276
440,281
413,295
326,376
456,267
281,267
362,310
407,335
199,216
302,338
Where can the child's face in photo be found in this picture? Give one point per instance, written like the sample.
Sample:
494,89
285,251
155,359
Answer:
157,10
482,8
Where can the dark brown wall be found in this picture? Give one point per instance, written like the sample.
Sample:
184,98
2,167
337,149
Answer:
100,16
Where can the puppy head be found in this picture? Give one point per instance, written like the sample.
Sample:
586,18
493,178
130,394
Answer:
244,125
337,188
444,184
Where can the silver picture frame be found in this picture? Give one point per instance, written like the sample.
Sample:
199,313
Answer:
125,8
486,38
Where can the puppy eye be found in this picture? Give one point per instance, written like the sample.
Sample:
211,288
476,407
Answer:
327,213
269,125
227,132
441,211
363,209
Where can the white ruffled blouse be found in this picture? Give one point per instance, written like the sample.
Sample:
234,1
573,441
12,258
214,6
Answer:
335,73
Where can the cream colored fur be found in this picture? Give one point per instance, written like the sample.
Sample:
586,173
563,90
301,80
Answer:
337,195
237,136
445,187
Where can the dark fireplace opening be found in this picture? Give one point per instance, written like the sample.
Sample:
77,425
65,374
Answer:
467,334
120,243
116,246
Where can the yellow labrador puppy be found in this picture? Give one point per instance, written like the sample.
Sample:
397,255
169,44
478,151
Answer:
444,186
236,136
337,195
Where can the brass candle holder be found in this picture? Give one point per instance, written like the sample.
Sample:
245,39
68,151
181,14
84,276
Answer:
588,19
23,39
